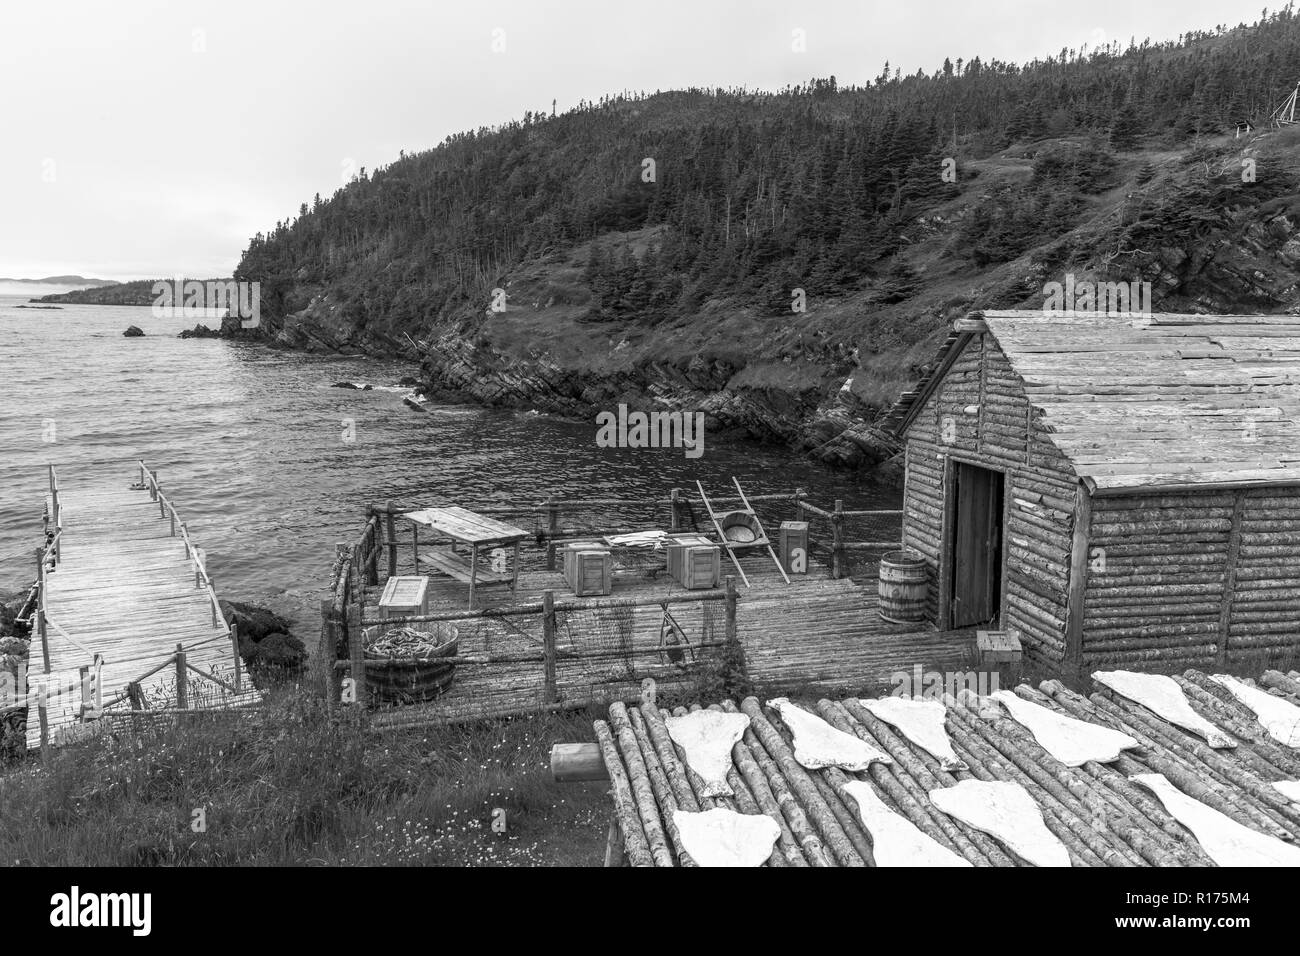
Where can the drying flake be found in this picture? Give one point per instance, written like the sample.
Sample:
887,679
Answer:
721,837
1227,842
706,737
1279,717
1073,742
817,744
1289,789
1163,697
921,722
1006,812
896,840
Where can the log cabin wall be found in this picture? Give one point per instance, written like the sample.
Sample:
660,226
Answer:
1194,579
1000,434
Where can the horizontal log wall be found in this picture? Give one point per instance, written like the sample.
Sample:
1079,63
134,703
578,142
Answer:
1202,579
1002,435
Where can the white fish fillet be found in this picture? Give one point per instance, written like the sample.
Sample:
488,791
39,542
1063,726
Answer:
706,737
896,840
817,744
1163,697
1280,718
722,837
921,722
1227,842
1289,789
1007,812
1072,741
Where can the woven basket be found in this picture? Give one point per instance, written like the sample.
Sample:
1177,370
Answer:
411,679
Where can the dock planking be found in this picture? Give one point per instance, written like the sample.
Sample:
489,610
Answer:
816,634
125,589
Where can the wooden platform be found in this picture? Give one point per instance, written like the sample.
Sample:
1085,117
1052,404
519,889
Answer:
814,635
123,589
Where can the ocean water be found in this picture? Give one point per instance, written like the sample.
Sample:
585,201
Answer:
254,446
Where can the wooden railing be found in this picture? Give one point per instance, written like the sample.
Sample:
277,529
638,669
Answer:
149,479
374,556
349,631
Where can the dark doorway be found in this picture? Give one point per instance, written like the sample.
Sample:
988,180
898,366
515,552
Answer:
976,545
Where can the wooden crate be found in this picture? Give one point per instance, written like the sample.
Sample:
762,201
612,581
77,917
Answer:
792,538
592,572
701,567
405,596
676,545
570,550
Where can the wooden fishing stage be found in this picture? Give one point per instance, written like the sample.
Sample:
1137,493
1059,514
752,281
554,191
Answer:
126,615
542,647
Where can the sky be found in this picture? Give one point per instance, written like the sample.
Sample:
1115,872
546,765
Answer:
144,139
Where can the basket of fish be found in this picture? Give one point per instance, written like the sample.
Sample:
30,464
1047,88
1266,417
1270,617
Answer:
406,666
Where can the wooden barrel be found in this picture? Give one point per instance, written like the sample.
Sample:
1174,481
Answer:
904,579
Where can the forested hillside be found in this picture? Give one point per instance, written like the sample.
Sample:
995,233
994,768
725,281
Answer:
653,244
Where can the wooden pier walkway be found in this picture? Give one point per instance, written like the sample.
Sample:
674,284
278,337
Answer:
124,593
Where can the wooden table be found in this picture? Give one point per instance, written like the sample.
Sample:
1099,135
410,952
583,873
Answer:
476,531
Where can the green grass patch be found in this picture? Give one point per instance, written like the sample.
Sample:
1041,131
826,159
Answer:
290,784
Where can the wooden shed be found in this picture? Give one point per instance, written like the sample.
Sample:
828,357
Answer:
1116,490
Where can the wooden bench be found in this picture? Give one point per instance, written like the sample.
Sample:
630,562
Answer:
461,568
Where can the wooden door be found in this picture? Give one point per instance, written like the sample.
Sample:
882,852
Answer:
976,553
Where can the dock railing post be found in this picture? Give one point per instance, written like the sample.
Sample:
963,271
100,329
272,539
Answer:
356,652
552,526
40,616
837,540
392,540
182,688
234,646
548,645
731,609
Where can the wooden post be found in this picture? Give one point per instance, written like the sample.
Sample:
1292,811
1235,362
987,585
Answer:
674,523
552,526
185,539
731,608
1077,589
391,530
614,855
548,645
837,540
142,474
357,654
473,572
182,687
153,486
173,516
234,645
1230,579
40,617
44,717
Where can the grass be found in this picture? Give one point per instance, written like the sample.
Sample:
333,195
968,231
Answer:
288,784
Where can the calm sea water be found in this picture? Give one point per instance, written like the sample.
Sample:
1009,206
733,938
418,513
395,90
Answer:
250,444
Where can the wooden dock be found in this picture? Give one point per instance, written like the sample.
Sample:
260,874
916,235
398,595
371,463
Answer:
817,634
122,582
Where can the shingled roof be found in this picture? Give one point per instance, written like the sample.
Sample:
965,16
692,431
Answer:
1151,402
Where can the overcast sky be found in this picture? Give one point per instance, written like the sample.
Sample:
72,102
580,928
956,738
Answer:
145,139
